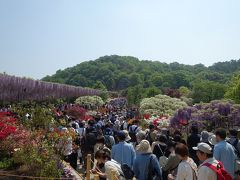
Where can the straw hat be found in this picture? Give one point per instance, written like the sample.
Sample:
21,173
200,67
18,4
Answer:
144,147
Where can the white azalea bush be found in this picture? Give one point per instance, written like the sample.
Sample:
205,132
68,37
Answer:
161,105
90,100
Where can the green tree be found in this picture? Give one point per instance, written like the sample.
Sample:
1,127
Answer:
157,80
233,90
152,91
99,85
135,94
206,91
135,79
184,91
122,81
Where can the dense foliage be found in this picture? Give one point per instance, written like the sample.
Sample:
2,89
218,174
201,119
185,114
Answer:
233,91
139,79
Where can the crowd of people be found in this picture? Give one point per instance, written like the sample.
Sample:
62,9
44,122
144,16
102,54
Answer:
119,143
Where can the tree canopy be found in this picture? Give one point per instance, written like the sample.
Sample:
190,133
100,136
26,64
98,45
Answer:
131,75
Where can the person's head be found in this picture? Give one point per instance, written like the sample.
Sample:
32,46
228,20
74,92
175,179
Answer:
162,138
128,138
171,146
81,124
91,123
177,138
136,122
204,151
121,136
233,132
220,134
108,132
100,140
90,130
141,135
194,129
144,147
204,136
177,132
102,156
151,127
181,151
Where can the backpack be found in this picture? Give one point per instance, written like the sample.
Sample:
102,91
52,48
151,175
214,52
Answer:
162,159
222,174
132,133
127,171
150,171
108,141
89,141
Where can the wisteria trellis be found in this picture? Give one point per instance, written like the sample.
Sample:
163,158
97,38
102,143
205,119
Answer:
17,89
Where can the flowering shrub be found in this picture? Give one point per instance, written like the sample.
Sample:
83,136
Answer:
29,152
214,114
162,121
161,104
16,140
76,112
40,115
37,160
7,125
89,101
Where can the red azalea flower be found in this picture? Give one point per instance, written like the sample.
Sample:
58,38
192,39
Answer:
146,116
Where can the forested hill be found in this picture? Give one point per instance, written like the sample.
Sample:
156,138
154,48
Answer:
121,72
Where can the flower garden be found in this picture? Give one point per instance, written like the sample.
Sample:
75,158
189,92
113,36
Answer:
31,140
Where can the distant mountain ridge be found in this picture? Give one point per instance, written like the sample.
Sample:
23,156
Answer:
120,72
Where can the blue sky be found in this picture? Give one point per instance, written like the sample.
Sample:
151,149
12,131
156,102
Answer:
38,37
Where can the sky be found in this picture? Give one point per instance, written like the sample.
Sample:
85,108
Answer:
38,37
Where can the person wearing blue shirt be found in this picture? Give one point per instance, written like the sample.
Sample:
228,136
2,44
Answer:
142,162
123,152
224,151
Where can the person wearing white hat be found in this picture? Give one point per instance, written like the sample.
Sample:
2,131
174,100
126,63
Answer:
128,138
205,155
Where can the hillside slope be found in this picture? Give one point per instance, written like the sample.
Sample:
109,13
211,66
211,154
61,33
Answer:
121,72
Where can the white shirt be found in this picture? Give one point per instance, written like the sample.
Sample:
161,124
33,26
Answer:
112,166
185,171
205,173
